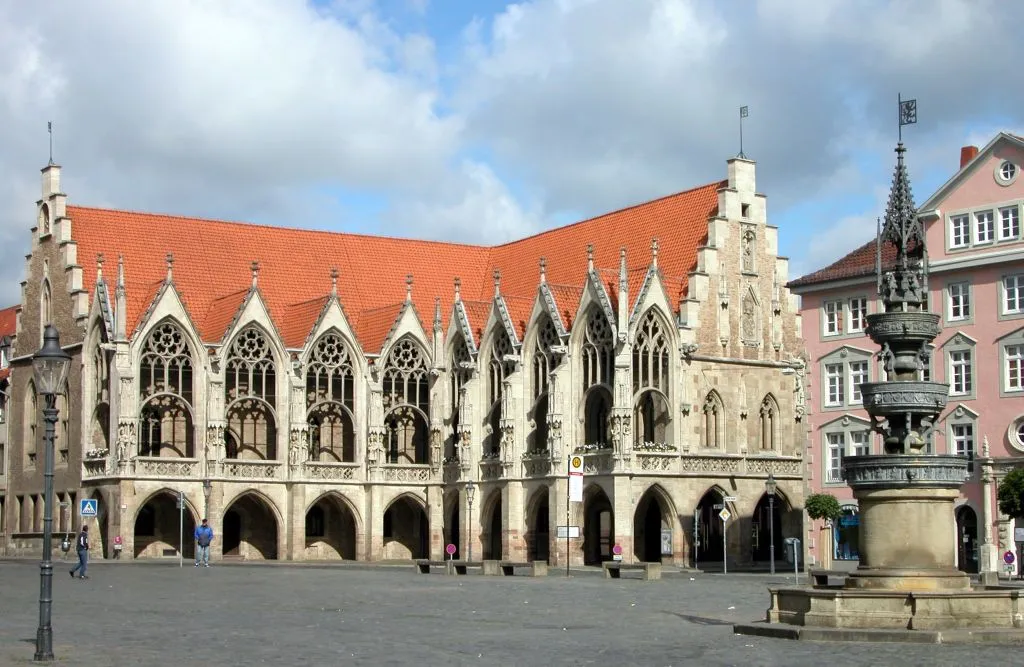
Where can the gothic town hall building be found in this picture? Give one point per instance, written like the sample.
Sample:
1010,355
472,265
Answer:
329,395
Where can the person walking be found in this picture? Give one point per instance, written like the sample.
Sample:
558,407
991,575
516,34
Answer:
204,535
82,545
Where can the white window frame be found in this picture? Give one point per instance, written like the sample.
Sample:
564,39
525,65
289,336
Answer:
958,298
855,379
1005,300
835,390
962,441
832,318
961,377
984,227
1013,368
856,325
835,442
959,230
1009,223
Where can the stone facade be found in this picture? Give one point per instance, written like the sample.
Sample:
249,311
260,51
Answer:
326,448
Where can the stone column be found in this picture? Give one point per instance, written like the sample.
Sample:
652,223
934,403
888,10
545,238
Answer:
435,519
514,522
988,552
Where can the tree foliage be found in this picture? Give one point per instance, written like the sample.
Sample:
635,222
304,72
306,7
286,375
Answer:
823,506
1011,494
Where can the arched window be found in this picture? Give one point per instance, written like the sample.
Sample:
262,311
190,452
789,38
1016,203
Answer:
44,220
651,382
406,404
250,391
498,369
330,401
714,421
32,431
99,429
769,423
544,361
461,372
165,394
596,356
45,307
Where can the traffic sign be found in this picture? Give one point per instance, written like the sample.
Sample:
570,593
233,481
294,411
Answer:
450,549
575,464
729,499
1008,558
88,507
724,515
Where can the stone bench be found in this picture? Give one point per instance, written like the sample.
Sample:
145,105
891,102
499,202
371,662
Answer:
424,566
648,571
819,578
536,568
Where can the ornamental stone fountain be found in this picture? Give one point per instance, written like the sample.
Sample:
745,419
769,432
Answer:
907,586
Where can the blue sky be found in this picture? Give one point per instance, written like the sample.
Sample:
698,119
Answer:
485,121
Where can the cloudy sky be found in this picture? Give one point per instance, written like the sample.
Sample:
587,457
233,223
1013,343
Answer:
480,120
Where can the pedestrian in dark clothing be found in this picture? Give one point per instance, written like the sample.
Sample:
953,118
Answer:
203,535
83,554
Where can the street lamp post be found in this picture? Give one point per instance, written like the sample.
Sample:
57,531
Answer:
50,368
769,486
470,494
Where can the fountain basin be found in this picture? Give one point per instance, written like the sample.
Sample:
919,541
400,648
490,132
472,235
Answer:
886,399
903,328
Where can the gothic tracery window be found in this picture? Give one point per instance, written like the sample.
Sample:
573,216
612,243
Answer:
769,423
651,381
99,435
498,370
544,362
330,401
714,421
32,431
250,392
597,355
406,404
460,374
165,393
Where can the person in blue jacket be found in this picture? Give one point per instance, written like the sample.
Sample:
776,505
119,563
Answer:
204,535
82,546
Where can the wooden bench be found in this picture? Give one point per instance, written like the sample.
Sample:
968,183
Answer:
819,578
424,565
507,568
648,571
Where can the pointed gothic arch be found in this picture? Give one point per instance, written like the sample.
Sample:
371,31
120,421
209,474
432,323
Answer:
250,396
538,525
406,398
544,359
332,528
406,530
499,368
596,353
97,381
166,390
459,374
714,421
45,307
769,423
330,400
653,517
652,380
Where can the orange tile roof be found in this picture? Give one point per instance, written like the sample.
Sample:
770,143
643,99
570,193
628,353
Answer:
856,264
9,321
212,264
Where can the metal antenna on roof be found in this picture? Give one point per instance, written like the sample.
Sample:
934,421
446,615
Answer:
497,282
169,258
255,267
458,288
744,112
334,281
49,130
654,253
543,270
408,287
99,267
590,257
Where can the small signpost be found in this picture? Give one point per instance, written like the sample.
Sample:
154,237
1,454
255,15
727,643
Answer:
617,553
724,516
88,507
450,550
575,495
1008,559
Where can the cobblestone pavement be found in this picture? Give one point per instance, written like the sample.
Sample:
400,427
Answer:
144,614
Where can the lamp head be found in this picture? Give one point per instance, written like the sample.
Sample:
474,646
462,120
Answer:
50,364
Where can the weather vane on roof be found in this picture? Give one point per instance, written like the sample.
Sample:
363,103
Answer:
908,113
744,112
49,131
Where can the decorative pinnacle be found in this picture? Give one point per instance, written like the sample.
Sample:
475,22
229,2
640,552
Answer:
622,266
901,226
408,287
497,282
437,313
334,281
590,257
255,267
654,253
458,288
120,272
543,270
169,258
99,267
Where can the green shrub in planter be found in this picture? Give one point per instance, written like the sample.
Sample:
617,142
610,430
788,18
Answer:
823,506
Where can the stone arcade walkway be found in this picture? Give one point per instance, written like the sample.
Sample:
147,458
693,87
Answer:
146,614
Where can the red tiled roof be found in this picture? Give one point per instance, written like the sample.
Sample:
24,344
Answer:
857,264
8,321
212,259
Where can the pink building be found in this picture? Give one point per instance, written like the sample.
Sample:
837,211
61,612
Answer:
975,245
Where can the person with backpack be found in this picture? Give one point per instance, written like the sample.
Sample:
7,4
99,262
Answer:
204,535
82,545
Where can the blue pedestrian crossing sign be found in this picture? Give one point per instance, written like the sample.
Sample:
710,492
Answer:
87,507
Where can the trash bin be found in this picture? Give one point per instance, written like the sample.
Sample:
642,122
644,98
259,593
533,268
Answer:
793,552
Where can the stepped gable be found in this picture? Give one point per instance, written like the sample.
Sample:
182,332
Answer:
212,260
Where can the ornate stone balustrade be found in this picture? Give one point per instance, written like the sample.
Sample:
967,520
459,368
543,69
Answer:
714,464
598,461
651,462
94,468
491,469
778,466
162,467
452,471
328,471
396,472
256,470
537,467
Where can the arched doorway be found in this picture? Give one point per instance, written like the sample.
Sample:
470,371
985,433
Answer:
768,511
453,525
652,532
492,539
598,527
967,539
405,530
708,528
250,529
330,529
539,540
157,529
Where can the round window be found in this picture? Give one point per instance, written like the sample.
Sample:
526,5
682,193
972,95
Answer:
1006,172
1015,434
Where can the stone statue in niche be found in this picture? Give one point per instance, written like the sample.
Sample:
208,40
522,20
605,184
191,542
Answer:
749,324
747,252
